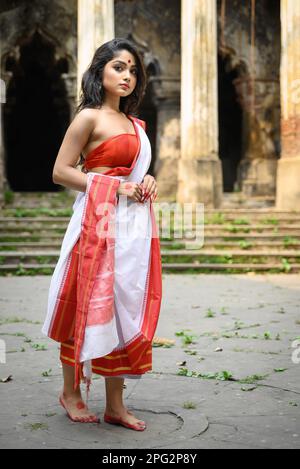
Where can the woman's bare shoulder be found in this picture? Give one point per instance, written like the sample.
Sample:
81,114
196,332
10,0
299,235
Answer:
85,119
87,114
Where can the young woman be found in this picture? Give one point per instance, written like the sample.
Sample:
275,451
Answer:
105,293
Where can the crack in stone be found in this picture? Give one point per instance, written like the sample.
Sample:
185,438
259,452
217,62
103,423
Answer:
229,383
217,440
275,387
235,427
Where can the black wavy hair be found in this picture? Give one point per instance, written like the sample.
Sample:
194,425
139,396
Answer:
92,95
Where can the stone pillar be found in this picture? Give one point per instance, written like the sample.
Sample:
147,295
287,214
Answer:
257,170
2,170
288,174
166,99
95,27
199,168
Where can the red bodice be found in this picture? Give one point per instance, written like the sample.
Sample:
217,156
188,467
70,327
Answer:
118,152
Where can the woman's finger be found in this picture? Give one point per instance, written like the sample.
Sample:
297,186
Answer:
154,195
151,192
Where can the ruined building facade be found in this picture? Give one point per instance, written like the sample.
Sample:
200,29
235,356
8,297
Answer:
222,104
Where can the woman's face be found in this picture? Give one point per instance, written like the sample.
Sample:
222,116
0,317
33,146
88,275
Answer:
120,70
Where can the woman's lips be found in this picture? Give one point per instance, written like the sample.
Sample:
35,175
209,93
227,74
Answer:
124,86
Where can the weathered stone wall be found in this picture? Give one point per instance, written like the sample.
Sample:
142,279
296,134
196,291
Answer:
154,26
56,21
288,176
257,87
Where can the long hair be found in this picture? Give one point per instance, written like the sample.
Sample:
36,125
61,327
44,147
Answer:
92,93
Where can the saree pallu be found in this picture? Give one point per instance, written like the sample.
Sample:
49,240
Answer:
105,292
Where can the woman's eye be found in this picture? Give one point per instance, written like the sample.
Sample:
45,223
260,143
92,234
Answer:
120,68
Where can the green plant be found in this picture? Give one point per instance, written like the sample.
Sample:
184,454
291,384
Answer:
39,347
9,196
210,313
253,379
186,338
189,405
245,244
240,221
286,266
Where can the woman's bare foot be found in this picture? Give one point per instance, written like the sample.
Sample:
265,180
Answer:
124,414
76,408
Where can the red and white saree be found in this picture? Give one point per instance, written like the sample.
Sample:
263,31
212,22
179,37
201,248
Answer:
106,288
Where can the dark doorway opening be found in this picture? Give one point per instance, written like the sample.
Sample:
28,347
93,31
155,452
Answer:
149,115
230,124
36,115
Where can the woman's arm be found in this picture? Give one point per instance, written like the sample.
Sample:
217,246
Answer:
75,139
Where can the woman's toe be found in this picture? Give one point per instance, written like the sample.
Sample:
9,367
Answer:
94,418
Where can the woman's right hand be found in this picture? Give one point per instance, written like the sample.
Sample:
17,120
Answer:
133,190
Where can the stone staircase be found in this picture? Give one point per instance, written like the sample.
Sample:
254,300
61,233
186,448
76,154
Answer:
236,240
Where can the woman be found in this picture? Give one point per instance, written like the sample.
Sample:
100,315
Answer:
105,293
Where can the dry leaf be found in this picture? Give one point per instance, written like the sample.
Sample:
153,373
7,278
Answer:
181,363
162,341
5,380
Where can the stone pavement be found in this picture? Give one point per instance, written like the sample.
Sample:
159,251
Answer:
251,319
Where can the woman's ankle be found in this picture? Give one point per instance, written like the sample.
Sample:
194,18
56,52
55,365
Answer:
115,409
69,393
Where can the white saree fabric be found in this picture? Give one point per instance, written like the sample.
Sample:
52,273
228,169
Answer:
133,232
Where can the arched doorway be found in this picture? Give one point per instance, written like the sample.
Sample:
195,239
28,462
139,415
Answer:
230,124
35,115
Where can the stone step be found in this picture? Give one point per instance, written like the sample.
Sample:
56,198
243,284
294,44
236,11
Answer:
32,244
281,216
25,220
240,253
17,256
56,225
263,237
47,199
170,267
66,211
32,200
234,244
21,245
230,268
25,236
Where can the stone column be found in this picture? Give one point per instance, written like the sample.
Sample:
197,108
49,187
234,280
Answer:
2,170
288,174
95,27
166,99
199,168
257,169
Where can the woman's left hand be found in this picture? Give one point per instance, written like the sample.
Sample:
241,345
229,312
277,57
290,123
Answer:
149,187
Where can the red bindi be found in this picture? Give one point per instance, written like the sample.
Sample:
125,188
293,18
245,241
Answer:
129,61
